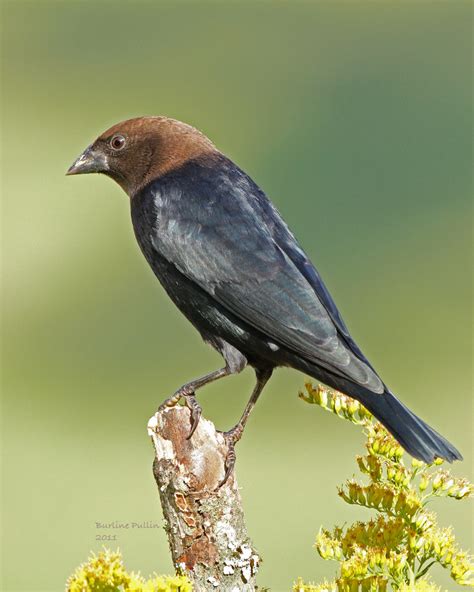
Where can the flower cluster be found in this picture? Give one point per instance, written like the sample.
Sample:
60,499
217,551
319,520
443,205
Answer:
105,572
369,585
399,546
341,405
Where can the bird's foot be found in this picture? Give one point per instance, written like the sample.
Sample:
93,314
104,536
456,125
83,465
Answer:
191,403
231,438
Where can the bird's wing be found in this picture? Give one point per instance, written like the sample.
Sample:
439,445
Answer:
216,232
285,239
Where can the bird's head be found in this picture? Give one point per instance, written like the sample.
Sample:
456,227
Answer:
137,151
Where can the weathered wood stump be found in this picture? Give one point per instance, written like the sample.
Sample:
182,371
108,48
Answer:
204,523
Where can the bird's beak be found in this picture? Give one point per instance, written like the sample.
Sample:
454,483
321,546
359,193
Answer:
89,161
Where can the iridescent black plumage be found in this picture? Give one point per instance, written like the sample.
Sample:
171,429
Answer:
229,262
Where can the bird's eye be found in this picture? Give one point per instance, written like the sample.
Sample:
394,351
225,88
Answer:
117,142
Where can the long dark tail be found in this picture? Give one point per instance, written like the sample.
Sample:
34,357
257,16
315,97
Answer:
416,437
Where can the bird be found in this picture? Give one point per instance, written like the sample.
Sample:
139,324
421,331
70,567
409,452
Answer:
232,266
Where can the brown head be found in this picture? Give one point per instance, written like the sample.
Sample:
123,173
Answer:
137,151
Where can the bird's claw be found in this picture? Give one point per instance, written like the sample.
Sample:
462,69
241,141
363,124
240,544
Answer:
196,412
170,402
231,438
191,403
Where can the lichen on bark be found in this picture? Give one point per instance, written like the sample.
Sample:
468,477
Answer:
204,522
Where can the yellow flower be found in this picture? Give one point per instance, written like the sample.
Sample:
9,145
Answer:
106,573
404,537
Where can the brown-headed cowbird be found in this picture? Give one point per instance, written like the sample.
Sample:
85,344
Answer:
231,265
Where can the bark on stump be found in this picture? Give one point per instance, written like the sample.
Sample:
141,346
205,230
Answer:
205,525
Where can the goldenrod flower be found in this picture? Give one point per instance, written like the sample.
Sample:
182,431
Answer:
399,546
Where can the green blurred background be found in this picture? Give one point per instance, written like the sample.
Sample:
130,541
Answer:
355,118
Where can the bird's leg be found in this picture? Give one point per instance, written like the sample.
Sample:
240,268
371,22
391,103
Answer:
233,435
187,391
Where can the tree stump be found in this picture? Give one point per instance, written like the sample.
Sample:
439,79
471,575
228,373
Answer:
204,523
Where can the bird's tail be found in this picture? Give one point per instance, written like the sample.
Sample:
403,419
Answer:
416,437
